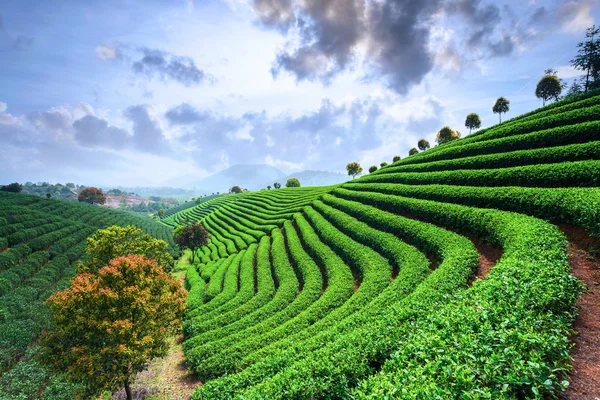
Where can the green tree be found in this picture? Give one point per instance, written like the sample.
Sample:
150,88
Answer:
107,326
396,158
473,122
353,169
575,89
446,135
161,212
502,106
549,87
13,187
277,185
423,144
413,151
70,185
116,241
372,168
383,164
48,195
268,187
236,190
588,58
191,237
292,182
92,195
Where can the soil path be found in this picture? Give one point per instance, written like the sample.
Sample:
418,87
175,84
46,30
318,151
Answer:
585,264
167,378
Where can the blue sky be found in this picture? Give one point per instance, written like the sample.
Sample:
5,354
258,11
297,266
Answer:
165,92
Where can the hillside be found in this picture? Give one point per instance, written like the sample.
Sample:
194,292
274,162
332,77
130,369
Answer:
444,273
41,242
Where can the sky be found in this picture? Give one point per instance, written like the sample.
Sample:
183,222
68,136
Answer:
164,93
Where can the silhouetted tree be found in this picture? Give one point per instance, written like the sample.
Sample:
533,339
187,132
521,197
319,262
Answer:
473,122
423,144
383,164
396,158
413,151
277,185
13,187
236,190
372,168
501,106
588,58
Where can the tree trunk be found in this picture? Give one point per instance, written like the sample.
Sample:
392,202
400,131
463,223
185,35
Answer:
193,255
500,117
128,390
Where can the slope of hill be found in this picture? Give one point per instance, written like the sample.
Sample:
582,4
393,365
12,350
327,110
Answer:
249,177
434,277
41,242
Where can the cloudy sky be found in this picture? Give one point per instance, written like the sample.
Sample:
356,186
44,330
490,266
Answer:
165,92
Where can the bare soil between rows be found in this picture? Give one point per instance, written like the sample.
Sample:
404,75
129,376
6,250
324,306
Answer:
585,264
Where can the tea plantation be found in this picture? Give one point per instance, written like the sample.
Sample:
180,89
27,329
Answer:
374,290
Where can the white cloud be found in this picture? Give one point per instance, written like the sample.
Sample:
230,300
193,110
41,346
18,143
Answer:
106,52
2,107
567,71
579,15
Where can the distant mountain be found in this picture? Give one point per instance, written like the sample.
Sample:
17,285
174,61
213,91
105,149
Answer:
312,178
251,177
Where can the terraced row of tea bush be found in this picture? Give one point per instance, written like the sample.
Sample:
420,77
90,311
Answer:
373,289
41,242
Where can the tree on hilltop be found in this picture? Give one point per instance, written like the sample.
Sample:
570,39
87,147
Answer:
13,187
396,158
191,237
423,144
549,87
292,182
92,195
277,185
372,168
107,326
501,106
268,187
413,151
353,169
588,58
236,190
473,122
446,135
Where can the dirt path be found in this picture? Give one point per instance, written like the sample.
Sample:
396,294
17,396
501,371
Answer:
489,255
167,378
585,377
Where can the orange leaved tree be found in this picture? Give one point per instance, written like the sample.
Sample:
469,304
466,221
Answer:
92,195
109,325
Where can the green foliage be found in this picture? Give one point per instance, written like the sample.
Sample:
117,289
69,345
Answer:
13,188
413,151
473,122
396,158
588,58
116,241
422,144
353,169
292,182
383,164
191,237
372,168
108,325
548,88
502,106
277,185
236,190
446,135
